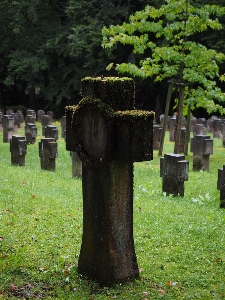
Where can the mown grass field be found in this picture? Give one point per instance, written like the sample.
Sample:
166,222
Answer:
179,241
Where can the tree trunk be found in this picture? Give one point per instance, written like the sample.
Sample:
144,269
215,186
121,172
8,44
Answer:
179,117
168,100
187,135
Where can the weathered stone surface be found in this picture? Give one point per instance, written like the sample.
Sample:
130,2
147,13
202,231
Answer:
40,114
157,135
215,128
104,130
199,129
31,112
172,126
48,153
202,147
18,149
174,171
46,120
29,119
51,132
31,133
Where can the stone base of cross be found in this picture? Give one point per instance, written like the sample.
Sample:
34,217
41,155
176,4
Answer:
108,135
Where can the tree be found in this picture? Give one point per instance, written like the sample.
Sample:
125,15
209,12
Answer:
175,55
49,45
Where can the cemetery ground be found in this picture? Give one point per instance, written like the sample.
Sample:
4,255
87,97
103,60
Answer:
179,241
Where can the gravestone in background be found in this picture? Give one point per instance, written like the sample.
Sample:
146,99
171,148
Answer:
202,147
40,114
8,125
31,133
108,136
18,149
174,171
51,131
221,186
48,152
46,120
199,129
157,135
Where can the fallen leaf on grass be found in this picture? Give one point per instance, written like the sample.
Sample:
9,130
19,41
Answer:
1,238
170,283
33,196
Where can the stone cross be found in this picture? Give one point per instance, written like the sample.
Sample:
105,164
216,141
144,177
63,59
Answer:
48,152
202,147
18,149
221,186
51,131
108,135
31,133
174,171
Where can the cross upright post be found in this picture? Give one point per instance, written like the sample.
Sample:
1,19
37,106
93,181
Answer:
108,135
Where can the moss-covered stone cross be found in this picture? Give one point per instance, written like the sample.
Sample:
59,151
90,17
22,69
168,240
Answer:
108,135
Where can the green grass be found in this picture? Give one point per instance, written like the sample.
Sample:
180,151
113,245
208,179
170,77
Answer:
179,241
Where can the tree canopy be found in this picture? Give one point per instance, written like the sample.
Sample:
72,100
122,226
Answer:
164,46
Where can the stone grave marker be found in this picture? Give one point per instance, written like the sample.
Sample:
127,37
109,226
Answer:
174,171
202,147
51,131
9,111
21,117
18,149
215,128
48,153
182,140
31,112
31,133
221,185
108,136
199,129
50,114
63,126
46,120
157,135
172,127
40,114
8,125
16,122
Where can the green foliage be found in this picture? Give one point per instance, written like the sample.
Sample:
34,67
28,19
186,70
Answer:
174,54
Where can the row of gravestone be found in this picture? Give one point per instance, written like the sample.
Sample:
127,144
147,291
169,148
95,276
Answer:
18,118
47,146
48,152
8,127
198,126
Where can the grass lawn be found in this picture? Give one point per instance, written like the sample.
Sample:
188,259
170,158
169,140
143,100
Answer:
179,241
